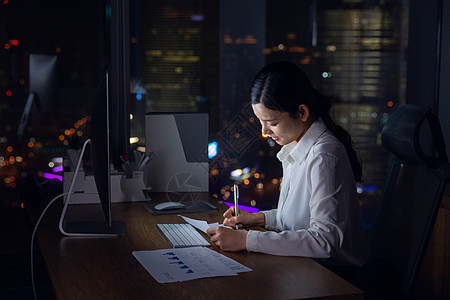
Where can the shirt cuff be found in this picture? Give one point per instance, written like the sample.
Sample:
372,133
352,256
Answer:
271,219
252,241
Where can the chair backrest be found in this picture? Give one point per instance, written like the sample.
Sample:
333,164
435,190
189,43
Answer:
410,200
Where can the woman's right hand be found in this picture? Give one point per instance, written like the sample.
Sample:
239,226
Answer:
244,218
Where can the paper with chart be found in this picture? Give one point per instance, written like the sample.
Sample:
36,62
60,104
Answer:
182,264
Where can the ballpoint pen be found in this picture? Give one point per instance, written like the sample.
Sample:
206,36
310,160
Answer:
236,201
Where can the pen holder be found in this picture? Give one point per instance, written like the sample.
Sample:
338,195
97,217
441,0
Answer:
133,188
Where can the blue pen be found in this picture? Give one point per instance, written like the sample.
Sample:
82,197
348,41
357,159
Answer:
236,201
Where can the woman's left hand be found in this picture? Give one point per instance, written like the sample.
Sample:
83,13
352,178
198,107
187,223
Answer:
228,239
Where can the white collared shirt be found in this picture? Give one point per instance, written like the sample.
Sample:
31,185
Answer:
318,214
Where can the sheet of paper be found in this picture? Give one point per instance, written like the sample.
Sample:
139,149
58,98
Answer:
203,225
200,224
182,264
231,263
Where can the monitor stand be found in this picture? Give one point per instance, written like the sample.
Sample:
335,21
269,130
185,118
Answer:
87,228
94,228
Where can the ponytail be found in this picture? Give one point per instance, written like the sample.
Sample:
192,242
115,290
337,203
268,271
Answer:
323,110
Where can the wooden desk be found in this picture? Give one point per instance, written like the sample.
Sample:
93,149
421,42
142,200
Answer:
104,268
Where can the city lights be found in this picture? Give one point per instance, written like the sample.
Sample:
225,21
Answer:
212,149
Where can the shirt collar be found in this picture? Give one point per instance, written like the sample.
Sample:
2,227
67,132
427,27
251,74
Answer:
297,151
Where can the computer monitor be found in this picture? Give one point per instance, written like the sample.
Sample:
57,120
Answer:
43,78
101,163
42,90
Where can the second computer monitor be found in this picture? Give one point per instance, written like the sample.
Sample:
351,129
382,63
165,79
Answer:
179,142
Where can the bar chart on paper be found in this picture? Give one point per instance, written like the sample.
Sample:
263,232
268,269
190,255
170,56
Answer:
183,264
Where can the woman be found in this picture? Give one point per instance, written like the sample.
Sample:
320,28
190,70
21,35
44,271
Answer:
318,214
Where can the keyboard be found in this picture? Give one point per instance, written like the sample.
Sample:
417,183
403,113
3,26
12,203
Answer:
182,235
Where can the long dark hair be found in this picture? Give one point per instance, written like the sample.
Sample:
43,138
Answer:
283,86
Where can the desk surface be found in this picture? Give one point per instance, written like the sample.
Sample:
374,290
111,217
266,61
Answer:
104,268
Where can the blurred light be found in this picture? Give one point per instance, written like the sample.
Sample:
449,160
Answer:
256,175
253,203
131,117
80,133
275,181
5,1
7,46
236,173
30,144
331,48
212,149
138,96
58,50
246,181
264,135
61,138
243,207
8,93
15,42
134,140
306,60
141,148
67,132
52,176
281,46
197,18
19,159
51,164
390,103
57,169
9,149
57,160
260,186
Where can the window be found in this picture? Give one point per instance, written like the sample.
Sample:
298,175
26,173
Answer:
202,55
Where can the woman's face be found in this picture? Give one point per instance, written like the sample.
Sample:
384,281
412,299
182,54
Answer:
279,125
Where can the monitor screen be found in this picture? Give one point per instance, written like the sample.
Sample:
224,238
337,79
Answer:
101,164
100,142
43,79
41,99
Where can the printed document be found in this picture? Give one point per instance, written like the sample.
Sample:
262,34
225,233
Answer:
182,264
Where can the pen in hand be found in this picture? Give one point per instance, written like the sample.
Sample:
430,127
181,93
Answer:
236,198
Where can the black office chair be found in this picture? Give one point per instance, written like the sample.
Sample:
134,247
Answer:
409,203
